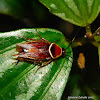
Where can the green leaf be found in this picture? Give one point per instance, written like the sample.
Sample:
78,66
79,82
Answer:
78,12
97,38
99,54
12,7
19,82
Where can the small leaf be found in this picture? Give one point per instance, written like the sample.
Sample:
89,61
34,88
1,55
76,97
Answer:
19,82
78,12
97,38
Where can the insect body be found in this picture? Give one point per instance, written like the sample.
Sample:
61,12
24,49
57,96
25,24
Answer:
41,52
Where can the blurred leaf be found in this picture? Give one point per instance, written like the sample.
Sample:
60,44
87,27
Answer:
97,38
99,54
78,12
13,7
74,85
19,82
91,94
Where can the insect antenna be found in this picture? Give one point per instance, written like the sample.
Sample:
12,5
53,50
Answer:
66,53
73,39
42,37
38,34
74,60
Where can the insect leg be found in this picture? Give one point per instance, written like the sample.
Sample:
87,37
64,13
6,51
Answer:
42,65
17,62
46,63
37,70
56,63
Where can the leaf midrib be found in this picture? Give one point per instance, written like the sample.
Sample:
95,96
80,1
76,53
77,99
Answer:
51,82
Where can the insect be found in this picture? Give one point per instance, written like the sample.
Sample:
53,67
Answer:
40,52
